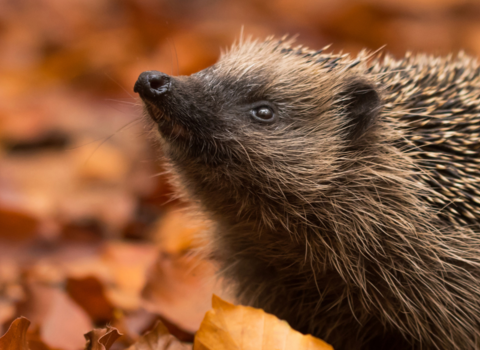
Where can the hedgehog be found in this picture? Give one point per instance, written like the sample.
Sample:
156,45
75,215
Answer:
344,192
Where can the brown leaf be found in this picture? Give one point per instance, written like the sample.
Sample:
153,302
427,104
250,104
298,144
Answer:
16,336
17,225
159,338
232,327
60,320
89,293
102,338
35,341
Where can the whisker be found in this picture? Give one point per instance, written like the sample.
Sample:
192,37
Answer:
120,85
176,56
125,102
109,138
162,173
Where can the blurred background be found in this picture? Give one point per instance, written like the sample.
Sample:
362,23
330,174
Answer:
89,232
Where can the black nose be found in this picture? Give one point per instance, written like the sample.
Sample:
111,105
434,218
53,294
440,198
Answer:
152,84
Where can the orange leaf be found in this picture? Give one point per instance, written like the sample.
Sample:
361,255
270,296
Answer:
102,338
16,336
180,284
159,338
230,327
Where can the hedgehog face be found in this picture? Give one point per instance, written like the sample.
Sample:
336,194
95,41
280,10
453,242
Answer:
261,115
205,111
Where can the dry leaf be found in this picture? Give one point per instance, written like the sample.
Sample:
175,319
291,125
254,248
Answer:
230,327
7,312
180,283
16,225
16,336
176,231
127,264
102,338
159,338
89,293
60,320
133,324
179,289
35,341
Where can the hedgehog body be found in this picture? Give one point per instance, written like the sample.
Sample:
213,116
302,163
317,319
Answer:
345,193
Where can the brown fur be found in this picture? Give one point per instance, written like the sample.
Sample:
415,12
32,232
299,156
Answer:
354,216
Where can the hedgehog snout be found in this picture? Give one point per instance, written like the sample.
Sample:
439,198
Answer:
152,84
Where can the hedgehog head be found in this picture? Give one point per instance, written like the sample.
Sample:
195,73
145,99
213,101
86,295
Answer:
264,126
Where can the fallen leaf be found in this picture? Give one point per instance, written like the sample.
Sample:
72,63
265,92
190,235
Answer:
180,283
35,341
11,292
16,336
60,320
120,268
159,338
133,324
89,293
230,327
17,225
176,331
179,289
105,163
7,312
176,231
127,264
102,338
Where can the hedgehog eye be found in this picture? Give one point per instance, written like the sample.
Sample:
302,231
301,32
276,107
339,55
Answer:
263,114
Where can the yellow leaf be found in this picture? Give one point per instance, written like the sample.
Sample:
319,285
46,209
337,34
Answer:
230,327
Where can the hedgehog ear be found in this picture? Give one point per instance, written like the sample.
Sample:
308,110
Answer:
362,104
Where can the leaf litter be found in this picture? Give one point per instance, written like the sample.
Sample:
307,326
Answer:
90,235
